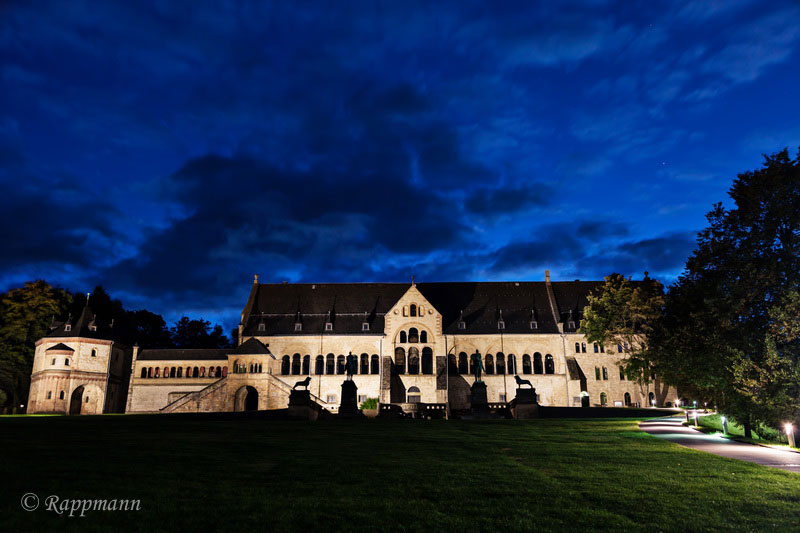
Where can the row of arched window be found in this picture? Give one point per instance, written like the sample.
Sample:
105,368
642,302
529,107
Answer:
580,347
298,365
179,372
413,336
413,310
500,364
411,364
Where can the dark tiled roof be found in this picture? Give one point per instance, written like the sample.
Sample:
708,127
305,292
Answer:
60,347
280,306
349,305
571,297
82,327
252,347
184,354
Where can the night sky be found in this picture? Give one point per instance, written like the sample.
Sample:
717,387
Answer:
169,152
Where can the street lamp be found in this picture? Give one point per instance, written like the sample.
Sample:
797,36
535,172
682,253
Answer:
790,434
724,425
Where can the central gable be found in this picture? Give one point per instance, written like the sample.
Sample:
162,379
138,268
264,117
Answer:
413,309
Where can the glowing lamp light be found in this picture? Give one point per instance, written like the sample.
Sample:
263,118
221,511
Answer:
723,419
789,428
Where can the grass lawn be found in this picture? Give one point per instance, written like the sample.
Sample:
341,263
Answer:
765,435
206,473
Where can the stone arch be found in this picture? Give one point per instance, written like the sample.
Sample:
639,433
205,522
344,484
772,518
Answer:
246,399
76,401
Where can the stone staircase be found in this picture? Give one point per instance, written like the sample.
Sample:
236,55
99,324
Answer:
193,396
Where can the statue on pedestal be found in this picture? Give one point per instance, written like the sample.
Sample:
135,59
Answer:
351,366
477,366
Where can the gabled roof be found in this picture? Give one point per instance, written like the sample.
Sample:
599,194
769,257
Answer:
61,347
279,306
252,347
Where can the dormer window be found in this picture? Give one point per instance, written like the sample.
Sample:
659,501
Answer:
328,326
68,327
53,361
571,324
462,324
298,327
534,324
262,326
501,324
92,327
365,326
66,362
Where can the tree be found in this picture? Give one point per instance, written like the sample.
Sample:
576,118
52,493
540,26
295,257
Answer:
25,314
730,326
622,313
188,333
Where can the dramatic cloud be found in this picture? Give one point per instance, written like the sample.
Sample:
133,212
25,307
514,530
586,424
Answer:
171,154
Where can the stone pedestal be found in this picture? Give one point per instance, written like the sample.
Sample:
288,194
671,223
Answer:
301,406
479,405
525,405
349,406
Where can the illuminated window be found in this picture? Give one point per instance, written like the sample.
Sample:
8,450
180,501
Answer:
413,395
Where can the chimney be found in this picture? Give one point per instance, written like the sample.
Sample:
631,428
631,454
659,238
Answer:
547,276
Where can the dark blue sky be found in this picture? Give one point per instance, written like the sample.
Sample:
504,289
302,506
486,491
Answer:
170,151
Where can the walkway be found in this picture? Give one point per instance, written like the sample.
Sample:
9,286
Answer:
672,430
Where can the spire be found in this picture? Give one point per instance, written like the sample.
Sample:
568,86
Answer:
255,279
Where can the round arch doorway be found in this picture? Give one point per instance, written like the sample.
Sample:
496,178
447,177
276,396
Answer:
246,399
76,401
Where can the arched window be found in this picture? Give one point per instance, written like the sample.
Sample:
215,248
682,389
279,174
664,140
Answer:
452,365
195,372
577,347
306,365
652,399
330,365
627,399
180,372
472,358
583,347
403,337
166,372
364,363
285,365
66,362
319,365
512,363
413,360
258,368
94,352
413,310
224,371
423,336
427,360
463,365
526,364
144,372
340,364
413,335
603,398
217,372
172,372
413,395
61,395
399,361
211,372
538,367
501,363
596,348
296,364
158,373
488,364
202,371
549,364
376,364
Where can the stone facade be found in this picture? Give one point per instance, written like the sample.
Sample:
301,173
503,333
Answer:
410,349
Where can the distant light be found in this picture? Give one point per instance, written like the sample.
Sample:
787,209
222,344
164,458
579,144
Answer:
789,428
723,419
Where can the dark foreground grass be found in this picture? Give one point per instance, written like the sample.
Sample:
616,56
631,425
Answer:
206,474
